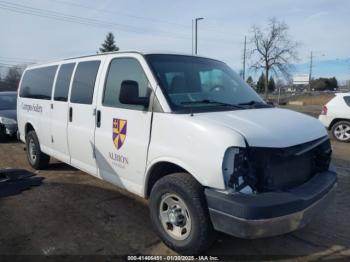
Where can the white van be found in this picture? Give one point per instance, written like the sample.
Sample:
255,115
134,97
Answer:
184,132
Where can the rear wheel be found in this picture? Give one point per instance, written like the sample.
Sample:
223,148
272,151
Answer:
341,131
37,159
180,215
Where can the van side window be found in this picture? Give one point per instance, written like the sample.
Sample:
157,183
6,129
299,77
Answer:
63,82
121,69
37,83
84,82
347,100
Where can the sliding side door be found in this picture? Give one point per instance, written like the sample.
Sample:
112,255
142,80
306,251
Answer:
81,116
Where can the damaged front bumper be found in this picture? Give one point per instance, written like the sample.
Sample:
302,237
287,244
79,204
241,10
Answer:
271,213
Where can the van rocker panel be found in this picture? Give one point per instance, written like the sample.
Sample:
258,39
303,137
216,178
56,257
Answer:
271,213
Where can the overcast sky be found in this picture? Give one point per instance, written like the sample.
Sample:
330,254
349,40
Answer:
34,30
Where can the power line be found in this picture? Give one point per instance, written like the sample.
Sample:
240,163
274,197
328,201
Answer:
11,65
17,59
14,62
6,64
77,19
89,21
58,16
152,20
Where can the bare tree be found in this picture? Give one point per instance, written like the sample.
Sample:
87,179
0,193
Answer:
272,50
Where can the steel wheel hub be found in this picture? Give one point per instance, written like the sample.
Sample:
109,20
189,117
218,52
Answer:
174,217
32,151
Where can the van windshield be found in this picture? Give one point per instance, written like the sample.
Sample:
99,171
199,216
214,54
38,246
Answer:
200,84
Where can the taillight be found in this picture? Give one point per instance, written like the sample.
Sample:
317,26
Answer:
324,110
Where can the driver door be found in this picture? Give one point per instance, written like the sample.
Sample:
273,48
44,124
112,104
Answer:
122,131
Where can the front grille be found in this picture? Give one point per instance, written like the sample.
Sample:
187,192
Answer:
276,169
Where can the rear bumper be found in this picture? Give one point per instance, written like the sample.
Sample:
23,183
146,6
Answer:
325,120
273,213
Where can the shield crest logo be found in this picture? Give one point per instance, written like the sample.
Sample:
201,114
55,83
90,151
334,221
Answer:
119,132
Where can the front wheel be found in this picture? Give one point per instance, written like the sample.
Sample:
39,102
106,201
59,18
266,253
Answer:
180,215
341,131
37,159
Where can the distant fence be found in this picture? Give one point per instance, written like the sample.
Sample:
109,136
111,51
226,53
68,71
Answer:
310,98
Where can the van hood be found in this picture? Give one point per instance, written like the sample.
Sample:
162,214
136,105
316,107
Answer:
269,127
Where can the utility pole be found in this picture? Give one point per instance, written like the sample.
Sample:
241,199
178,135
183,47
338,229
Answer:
196,34
244,55
310,72
192,38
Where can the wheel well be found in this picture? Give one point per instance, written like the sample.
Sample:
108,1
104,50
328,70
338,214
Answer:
334,121
160,170
28,128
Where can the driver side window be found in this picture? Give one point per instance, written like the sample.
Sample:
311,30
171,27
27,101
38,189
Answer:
122,69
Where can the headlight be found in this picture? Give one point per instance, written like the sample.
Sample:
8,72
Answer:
7,121
235,170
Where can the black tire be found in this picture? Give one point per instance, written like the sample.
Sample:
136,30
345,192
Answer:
201,235
37,159
335,131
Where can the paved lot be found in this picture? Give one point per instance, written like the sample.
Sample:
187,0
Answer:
72,213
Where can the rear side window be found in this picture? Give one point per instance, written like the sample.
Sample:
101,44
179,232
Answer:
84,82
347,100
63,81
37,83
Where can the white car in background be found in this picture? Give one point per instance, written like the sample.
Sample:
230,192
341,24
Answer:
335,116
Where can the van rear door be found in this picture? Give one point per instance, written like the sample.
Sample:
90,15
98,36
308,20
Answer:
81,116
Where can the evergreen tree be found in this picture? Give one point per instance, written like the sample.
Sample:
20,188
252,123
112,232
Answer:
333,83
321,84
250,81
109,44
260,85
271,85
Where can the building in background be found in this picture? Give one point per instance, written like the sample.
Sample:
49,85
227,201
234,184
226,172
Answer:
300,83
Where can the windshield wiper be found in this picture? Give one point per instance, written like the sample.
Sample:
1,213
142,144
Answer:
207,101
254,103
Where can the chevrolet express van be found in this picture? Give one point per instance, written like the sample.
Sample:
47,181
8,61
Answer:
184,132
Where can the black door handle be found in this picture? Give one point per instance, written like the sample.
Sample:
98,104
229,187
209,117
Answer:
70,114
98,118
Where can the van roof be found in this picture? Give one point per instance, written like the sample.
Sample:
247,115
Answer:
114,52
135,52
106,53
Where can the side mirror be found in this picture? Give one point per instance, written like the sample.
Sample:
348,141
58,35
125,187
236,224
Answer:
129,94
